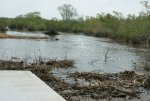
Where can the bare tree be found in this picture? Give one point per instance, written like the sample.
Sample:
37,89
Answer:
146,4
67,11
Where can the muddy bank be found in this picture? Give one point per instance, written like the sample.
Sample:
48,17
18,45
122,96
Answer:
92,85
6,36
2,35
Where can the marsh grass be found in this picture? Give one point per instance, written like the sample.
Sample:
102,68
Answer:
131,29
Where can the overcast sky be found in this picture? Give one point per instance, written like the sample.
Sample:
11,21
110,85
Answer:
48,8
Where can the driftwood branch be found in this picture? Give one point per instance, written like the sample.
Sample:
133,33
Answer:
93,61
123,90
106,55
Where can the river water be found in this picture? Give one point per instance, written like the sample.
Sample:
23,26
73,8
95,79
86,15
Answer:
88,52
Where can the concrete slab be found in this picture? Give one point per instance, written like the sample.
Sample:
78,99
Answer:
25,86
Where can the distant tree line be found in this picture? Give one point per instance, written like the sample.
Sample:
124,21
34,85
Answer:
132,29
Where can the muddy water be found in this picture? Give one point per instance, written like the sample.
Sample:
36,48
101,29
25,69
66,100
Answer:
88,52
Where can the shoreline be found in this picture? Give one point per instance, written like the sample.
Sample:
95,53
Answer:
6,36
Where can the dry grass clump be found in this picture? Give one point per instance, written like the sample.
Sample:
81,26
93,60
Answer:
11,65
60,63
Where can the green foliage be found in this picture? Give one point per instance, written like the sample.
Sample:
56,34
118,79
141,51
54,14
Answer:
29,22
4,22
133,29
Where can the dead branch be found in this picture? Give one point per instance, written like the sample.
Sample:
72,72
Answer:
106,55
148,39
93,61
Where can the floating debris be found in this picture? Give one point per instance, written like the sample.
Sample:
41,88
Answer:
60,63
125,84
122,85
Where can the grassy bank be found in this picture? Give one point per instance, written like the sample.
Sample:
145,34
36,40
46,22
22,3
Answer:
133,29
